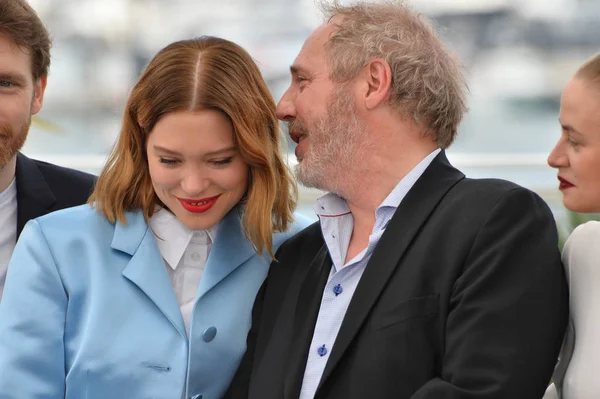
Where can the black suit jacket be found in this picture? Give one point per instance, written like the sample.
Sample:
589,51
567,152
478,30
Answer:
464,297
43,188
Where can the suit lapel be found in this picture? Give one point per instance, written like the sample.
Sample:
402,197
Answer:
146,268
230,250
412,213
307,311
34,196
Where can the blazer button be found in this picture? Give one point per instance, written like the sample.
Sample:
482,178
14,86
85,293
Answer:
209,334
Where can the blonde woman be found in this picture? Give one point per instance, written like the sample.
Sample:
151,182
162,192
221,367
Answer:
577,158
148,292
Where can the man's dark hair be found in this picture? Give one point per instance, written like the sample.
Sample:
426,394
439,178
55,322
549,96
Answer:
21,23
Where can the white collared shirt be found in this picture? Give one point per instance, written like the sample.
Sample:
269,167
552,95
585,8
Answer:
185,253
337,224
8,232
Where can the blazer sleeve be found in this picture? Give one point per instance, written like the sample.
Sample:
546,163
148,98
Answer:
508,309
32,319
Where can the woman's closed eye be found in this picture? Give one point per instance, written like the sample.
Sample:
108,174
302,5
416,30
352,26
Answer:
222,161
573,142
168,161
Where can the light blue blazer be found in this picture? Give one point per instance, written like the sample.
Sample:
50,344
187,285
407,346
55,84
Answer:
89,311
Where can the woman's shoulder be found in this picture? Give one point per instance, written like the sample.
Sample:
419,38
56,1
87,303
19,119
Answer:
62,231
300,222
77,216
585,235
78,222
582,249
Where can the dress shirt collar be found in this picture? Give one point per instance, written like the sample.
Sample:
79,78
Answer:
173,237
331,205
337,222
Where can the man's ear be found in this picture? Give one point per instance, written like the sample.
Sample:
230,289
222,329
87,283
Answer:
39,88
378,76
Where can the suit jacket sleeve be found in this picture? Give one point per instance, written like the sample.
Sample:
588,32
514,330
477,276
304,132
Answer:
508,310
32,319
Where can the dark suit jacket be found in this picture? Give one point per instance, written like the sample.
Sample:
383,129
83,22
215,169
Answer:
464,297
43,188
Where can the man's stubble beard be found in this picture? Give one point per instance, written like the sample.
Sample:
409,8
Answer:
332,160
11,141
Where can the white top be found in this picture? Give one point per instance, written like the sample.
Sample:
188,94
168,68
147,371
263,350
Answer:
8,232
581,258
185,253
337,224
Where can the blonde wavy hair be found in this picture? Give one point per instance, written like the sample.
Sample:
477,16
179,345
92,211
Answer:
191,75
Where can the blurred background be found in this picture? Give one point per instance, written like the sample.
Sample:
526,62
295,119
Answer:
517,54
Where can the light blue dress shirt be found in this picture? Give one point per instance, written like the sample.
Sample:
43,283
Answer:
337,223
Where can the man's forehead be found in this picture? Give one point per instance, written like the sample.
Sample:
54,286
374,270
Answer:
314,45
320,36
10,52
9,45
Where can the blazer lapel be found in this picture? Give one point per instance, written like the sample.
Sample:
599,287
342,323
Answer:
307,311
34,197
230,250
146,268
414,210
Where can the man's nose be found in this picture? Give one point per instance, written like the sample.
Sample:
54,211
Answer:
285,108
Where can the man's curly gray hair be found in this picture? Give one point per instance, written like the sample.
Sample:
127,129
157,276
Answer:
427,81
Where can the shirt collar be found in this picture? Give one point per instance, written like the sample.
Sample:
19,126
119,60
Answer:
331,205
173,237
403,187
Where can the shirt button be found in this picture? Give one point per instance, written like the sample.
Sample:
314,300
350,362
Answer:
337,290
209,334
322,351
196,256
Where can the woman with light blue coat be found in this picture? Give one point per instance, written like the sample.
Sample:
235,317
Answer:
147,292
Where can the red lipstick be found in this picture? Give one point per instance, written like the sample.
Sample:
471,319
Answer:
564,184
198,205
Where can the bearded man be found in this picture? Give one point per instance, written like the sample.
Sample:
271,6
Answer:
28,188
416,282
